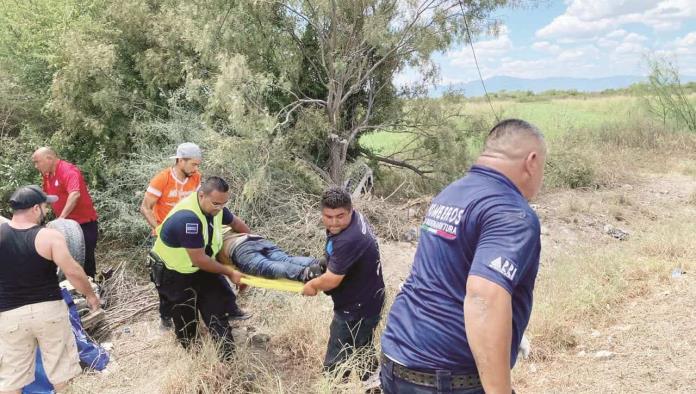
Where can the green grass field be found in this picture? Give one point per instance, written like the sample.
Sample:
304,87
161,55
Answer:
554,117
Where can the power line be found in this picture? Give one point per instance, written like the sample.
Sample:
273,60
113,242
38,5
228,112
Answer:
471,44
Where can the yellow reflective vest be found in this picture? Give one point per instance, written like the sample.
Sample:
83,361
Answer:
177,259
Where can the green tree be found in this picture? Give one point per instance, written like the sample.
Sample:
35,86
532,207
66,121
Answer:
352,50
667,97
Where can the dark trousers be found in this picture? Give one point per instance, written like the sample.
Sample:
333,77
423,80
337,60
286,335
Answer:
230,300
165,306
90,230
392,384
190,294
347,337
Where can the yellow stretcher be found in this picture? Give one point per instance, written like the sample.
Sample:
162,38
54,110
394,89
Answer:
282,284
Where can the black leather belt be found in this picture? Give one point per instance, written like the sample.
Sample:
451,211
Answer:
459,381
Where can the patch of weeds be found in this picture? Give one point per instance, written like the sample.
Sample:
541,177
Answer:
692,198
568,169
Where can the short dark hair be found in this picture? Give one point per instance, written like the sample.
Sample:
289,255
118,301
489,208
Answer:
510,126
336,197
214,183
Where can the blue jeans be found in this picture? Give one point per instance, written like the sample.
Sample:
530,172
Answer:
392,384
264,258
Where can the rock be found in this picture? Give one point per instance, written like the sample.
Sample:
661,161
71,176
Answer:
535,207
581,353
532,368
616,232
603,355
677,273
595,334
260,339
545,230
411,235
627,186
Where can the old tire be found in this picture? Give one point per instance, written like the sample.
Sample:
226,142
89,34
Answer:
72,232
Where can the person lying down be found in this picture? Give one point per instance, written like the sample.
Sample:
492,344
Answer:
255,255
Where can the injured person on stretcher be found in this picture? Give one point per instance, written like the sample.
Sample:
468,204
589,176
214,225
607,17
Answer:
254,255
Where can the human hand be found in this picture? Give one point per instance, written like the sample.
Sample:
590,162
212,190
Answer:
94,303
236,277
309,290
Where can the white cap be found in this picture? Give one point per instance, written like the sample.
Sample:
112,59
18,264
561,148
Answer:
187,150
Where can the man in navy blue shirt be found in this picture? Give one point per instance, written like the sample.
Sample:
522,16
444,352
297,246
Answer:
458,321
353,279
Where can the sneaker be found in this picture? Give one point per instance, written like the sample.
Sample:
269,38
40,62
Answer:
322,262
166,323
238,314
312,271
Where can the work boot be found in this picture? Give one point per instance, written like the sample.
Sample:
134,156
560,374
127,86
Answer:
312,271
322,262
238,314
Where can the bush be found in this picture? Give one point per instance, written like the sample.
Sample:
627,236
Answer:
569,169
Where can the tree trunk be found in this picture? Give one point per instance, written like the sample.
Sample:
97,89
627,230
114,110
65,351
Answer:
337,159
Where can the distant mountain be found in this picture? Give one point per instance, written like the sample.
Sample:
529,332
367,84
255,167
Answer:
496,84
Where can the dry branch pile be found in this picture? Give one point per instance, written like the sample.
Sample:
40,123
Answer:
126,300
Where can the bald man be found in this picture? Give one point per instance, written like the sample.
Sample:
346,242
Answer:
458,321
65,180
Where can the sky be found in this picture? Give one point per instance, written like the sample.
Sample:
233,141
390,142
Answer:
578,38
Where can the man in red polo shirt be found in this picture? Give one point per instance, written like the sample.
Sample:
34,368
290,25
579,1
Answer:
65,180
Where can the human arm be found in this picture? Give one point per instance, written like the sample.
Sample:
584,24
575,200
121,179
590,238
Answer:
70,203
506,257
207,263
147,209
325,282
52,243
238,226
488,324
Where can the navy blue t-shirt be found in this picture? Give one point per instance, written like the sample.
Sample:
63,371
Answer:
183,230
354,252
479,225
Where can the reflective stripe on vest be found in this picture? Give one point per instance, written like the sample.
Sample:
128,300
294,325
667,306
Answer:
177,259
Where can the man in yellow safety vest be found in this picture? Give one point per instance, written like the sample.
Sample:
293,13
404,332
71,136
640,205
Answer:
190,278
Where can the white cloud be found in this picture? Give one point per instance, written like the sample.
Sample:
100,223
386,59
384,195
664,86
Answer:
620,33
568,26
590,18
545,46
688,40
588,10
487,49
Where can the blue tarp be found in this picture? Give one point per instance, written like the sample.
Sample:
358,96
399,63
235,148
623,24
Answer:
92,356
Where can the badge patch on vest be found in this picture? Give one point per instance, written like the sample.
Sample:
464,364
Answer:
505,267
192,228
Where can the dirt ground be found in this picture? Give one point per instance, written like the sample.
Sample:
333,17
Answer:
649,340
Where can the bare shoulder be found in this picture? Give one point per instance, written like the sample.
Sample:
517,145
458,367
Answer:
49,235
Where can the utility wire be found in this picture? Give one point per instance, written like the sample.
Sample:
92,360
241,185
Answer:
471,44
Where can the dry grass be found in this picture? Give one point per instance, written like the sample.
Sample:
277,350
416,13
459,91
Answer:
127,300
585,279
587,285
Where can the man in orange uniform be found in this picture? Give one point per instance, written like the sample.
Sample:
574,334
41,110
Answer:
172,184
165,190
